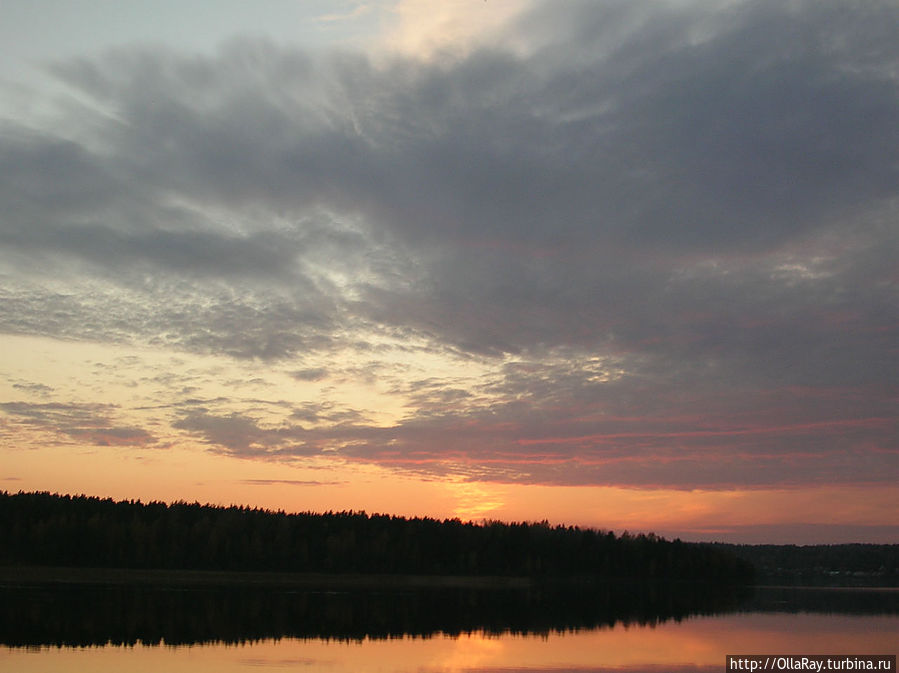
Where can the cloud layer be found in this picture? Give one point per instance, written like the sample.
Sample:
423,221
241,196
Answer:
665,232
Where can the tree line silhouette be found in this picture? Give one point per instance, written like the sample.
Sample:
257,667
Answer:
61,530
822,564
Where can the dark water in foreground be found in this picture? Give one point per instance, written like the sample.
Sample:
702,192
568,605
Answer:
586,628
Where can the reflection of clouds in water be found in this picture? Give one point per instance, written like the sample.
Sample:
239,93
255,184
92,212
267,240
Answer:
474,651
283,663
590,669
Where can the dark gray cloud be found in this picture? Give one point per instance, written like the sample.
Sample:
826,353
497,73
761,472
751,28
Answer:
39,389
310,374
697,198
93,423
555,425
242,435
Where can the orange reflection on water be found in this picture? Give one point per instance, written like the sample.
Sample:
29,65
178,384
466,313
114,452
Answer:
696,643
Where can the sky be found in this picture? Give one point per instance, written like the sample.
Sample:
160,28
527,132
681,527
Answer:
628,264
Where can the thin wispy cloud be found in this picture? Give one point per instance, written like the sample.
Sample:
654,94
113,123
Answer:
359,10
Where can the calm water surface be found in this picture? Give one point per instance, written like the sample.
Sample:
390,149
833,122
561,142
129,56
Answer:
659,636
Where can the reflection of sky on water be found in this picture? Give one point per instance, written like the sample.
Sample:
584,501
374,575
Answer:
692,645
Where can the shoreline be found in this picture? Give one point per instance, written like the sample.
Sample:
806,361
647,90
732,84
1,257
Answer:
162,577
11,575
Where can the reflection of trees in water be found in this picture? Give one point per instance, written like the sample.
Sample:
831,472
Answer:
82,615
829,600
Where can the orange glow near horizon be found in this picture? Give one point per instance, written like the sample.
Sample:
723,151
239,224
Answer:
199,475
125,443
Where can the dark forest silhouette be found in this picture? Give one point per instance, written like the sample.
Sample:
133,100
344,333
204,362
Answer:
822,564
91,614
85,571
78,531
94,615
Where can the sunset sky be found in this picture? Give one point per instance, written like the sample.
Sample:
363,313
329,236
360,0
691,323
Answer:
629,264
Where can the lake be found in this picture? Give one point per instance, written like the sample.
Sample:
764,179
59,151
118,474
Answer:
585,627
